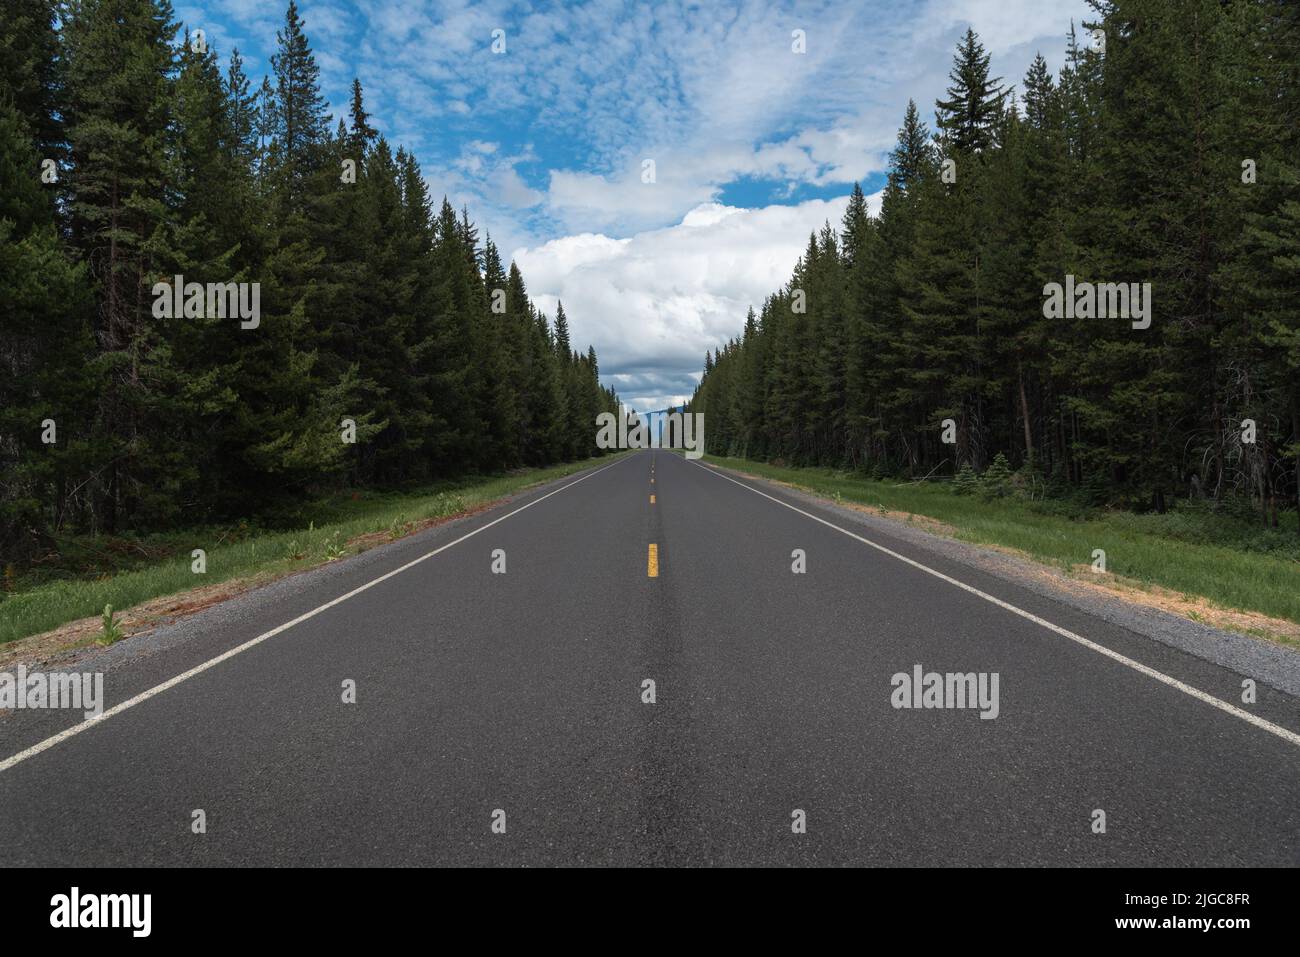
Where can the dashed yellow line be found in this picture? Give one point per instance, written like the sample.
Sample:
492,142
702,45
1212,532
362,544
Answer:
652,561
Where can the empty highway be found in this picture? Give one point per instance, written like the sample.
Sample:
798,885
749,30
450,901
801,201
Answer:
506,718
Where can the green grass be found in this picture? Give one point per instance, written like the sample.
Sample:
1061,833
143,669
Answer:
87,574
1228,560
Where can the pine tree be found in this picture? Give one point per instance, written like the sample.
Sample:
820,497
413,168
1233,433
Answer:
30,72
867,289
361,131
48,377
503,357
120,65
968,117
299,113
242,106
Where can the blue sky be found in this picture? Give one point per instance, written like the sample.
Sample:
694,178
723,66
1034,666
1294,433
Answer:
754,145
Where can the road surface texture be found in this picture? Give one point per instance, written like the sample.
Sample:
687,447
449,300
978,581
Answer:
524,693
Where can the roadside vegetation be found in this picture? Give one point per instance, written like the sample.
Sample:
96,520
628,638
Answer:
1221,554
78,576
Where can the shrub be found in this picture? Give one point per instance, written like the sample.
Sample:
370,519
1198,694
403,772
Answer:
996,480
966,481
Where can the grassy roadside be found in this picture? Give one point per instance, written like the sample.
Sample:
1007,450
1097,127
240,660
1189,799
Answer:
127,573
1227,562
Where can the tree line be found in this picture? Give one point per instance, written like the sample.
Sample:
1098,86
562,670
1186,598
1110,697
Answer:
130,154
917,342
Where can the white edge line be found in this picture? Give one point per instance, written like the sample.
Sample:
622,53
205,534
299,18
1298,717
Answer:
1284,733
76,729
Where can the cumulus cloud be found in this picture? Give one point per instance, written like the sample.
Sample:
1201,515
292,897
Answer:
654,302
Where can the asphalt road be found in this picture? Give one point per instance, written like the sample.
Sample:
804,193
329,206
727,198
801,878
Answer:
523,692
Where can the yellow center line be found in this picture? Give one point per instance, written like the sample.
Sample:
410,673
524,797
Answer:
652,561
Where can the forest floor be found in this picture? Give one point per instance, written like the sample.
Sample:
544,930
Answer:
1217,569
58,601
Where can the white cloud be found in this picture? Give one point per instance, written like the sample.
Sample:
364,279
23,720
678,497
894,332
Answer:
1004,25
587,200
653,303
512,190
